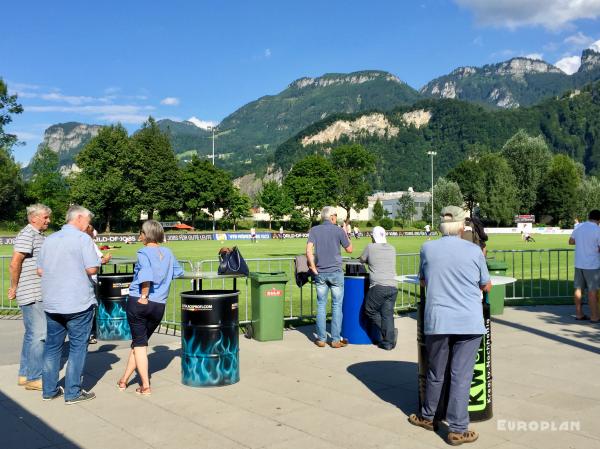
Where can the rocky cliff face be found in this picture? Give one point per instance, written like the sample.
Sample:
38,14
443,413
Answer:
352,78
67,139
513,83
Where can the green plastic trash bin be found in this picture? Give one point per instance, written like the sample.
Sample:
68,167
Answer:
268,295
496,296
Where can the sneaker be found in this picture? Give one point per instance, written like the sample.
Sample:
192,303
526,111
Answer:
58,394
35,385
84,396
457,438
92,340
339,344
21,381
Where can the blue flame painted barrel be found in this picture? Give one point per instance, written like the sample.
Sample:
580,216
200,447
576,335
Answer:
209,338
111,316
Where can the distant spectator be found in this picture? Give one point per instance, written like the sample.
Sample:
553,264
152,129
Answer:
428,231
66,263
253,235
25,287
586,238
325,261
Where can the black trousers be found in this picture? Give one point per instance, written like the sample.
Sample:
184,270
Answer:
379,310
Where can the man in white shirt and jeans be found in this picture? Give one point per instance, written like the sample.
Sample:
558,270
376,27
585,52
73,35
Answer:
586,238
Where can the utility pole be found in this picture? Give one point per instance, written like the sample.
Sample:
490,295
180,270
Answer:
431,153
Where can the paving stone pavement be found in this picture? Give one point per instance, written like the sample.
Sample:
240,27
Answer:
295,395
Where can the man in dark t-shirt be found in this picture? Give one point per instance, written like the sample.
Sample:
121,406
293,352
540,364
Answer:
325,261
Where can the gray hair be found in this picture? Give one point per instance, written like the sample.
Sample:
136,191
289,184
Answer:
327,212
451,228
75,210
35,209
153,231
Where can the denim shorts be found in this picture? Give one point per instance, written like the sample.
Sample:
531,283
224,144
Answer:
587,279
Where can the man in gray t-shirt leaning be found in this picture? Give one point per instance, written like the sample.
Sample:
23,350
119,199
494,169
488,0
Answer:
325,261
381,298
25,287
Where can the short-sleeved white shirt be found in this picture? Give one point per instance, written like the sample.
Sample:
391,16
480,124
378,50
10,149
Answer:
587,246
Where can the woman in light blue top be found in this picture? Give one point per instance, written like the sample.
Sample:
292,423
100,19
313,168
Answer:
155,268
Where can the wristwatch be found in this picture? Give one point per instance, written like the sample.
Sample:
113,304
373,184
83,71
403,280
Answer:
144,297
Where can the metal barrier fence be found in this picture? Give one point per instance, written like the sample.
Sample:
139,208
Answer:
541,275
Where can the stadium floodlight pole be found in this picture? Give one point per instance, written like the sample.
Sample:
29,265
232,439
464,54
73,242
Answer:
431,153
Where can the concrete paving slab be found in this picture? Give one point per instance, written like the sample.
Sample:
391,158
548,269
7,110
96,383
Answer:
294,395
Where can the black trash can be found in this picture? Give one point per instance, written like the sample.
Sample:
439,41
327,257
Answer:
111,317
209,338
480,394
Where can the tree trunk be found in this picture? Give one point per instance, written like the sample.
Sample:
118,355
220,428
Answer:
108,217
193,219
270,222
151,214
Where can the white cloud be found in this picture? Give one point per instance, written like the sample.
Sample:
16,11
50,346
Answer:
25,135
569,64
579,40
135,119
204,124
102,110
267,53
551,14
595,46
69,99
170,101
539,56
112,90
507,53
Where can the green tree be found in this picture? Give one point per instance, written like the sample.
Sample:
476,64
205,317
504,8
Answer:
499,202
47,185
157,170
468,174
312,183
275,200
106,183
204,186
445,193
353,164
529,158
406,208
8,108
378,211
238,207
558,191
588,197
11,182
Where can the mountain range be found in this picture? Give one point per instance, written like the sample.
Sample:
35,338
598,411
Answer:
247,140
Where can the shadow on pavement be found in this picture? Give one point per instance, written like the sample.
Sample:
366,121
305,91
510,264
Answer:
395,382
21,429
98,363
161,357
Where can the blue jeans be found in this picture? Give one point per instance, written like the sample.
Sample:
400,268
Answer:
32,352
462,351
324,282
77,326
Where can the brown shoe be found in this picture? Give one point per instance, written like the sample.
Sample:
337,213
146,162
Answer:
339,344
320,343
419,421
21,381
35,385
456,438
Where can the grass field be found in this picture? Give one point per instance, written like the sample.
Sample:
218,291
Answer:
541,274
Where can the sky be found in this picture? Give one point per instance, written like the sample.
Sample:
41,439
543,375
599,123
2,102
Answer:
121,61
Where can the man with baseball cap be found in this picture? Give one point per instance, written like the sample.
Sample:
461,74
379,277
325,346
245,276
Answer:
381,297
454,272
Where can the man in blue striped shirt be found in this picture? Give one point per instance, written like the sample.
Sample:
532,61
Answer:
26,289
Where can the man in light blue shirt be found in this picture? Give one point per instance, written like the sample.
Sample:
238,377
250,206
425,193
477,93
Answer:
454,272
586,238
66,263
